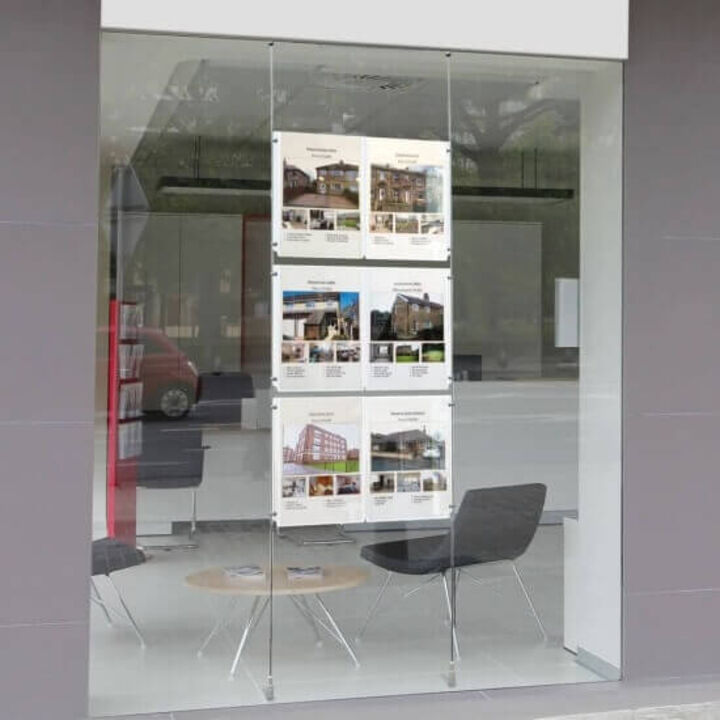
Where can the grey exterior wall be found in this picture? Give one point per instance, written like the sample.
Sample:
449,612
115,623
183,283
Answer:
48,241
672,340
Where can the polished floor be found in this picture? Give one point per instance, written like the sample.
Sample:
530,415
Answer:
405,649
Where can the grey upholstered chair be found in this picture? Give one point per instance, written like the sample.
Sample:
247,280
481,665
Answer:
108,556
492,525
173,458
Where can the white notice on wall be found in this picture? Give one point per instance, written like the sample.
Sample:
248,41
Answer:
408,455
318,473
407,311
408,190
316,195
316,328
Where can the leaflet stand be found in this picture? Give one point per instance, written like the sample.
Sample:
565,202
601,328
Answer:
124,419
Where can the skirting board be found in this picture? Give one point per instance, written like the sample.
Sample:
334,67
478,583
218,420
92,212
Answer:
549,517
169,527
599,666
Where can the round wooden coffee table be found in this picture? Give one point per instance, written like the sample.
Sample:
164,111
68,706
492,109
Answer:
334,577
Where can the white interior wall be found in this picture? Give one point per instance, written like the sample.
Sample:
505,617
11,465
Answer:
574,28
599,450
508,433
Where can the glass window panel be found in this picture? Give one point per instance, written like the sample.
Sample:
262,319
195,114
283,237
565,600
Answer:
185,263
185,246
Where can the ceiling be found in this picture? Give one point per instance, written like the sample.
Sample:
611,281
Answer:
155,84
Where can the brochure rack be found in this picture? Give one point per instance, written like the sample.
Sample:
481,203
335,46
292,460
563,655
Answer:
124,418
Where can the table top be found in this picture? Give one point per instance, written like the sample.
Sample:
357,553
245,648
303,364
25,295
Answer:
335,577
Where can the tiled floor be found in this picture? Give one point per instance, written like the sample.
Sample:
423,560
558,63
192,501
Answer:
405,650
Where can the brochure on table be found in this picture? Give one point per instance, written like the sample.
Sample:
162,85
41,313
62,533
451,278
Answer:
340,328
340,196
348,459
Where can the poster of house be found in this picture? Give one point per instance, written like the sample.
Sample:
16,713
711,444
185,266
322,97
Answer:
408,190
317,195
318,467
316,328
408,446
407,313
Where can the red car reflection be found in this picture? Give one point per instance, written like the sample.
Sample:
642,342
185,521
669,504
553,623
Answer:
171,383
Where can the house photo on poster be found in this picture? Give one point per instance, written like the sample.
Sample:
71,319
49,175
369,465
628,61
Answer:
318,473
408,445
408,191
316,328
407,311
316,195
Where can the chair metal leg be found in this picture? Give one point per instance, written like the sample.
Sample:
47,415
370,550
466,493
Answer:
484,582
530,602
222,620
374,606
97,599
423,584
301,604
193,515
252,622
127,613
450,613
337,632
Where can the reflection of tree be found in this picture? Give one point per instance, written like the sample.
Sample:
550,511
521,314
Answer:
494,123
506,134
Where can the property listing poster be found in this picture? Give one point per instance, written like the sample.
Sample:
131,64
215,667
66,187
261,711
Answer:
407,311
318,461
316,195
316,328
408,446
408,192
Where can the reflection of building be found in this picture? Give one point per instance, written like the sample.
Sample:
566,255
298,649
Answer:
337,178
315,444
318,316
295,180
414,316
406,443
393,189
288,454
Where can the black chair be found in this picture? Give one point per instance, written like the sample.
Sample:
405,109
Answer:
108,556
173,458
221,396
492,525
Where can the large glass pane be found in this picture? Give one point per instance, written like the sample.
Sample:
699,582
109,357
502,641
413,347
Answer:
381,631
518,143
183,373
515,579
